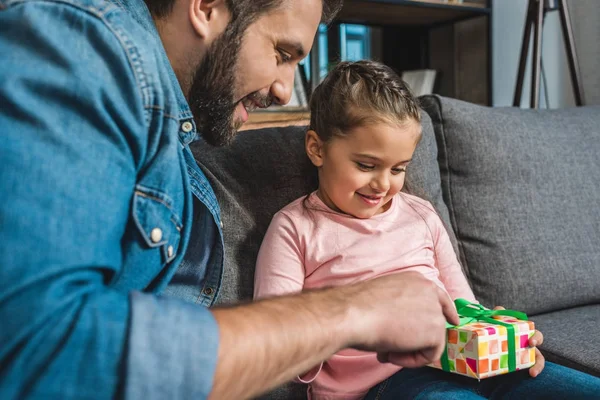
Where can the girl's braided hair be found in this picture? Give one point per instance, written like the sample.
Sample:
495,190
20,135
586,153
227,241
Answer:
358,93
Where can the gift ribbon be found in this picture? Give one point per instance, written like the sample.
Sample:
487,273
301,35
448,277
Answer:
471,312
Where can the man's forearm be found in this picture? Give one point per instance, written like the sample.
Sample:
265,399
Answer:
270,342
267,343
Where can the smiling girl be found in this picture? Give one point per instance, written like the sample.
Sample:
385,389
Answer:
359,224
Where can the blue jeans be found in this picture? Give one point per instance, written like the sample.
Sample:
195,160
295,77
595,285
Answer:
555,382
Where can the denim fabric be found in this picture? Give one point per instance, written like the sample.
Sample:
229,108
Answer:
96,178
555,382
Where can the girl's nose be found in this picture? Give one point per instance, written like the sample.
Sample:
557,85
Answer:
380,184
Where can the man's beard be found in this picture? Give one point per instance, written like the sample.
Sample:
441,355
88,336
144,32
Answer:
211,95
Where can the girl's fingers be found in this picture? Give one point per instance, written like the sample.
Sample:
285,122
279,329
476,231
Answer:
540,362
537,339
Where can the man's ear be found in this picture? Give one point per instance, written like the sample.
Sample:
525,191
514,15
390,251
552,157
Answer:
209,18
314,148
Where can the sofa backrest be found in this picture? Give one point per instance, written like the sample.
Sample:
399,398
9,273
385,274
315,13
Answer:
523,191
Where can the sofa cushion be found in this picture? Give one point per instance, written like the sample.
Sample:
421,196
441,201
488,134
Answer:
571,337
522,187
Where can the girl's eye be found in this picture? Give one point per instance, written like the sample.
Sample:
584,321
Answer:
397,171
365,167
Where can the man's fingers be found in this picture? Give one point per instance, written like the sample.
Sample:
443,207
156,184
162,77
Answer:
448,308
409,360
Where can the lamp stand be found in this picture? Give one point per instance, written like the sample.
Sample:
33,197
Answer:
536,12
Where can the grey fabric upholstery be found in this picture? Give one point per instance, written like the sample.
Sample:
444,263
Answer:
259,174
423,174
522,190
571,337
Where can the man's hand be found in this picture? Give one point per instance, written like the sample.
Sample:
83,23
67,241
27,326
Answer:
534,341
402,317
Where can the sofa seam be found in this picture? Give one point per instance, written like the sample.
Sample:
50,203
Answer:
561,360
451,210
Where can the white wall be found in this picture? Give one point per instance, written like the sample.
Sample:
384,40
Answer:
586,14
507,36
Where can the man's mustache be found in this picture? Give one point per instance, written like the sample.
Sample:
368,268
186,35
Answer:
261,100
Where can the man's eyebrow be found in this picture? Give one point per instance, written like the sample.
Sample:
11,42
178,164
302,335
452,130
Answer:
296,47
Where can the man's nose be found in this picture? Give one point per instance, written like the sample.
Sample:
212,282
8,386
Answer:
281,89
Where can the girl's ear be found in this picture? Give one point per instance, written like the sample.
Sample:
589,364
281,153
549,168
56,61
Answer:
314,148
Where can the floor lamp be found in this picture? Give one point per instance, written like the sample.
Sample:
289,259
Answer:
536,12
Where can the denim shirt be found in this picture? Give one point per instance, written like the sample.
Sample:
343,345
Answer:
98,192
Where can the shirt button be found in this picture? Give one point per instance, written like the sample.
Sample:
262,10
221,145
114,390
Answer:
221,223
208,291
187,126
170,251
156,235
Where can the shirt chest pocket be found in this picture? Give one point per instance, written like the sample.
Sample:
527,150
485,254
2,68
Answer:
157,221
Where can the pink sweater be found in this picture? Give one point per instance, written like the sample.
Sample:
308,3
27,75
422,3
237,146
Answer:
317,248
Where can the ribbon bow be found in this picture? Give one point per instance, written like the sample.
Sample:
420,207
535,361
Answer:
472,312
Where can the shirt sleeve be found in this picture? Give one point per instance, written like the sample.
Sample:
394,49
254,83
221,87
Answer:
72,143
451,273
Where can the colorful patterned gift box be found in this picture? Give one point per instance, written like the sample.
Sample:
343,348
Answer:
487,342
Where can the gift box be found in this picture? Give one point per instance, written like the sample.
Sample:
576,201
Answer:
487,343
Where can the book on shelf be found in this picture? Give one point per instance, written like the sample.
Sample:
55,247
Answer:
298,101
420,81
299,98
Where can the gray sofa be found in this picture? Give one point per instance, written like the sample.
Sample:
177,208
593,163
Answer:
520,190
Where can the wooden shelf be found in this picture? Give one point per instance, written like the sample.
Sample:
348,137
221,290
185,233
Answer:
279,117
408,12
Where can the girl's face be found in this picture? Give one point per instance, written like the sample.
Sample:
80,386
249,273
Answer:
360,172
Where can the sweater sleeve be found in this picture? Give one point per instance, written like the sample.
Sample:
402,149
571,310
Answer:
451,273
280,268
280,263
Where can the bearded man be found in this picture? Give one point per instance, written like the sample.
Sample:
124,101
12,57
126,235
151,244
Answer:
101,195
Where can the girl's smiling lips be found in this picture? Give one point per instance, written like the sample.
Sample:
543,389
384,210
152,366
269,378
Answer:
370,200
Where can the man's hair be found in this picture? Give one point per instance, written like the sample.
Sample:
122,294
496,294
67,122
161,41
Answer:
357,93
246,10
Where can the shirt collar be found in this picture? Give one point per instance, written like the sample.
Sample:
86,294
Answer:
139,11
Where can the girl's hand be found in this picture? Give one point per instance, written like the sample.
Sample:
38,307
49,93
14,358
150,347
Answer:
536,340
